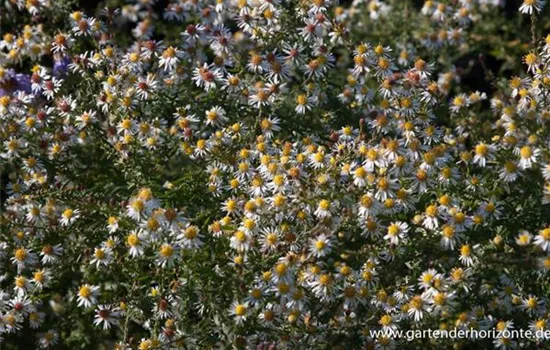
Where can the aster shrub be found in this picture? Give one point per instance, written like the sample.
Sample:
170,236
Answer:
272,174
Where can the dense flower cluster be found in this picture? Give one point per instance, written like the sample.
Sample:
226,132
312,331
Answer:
261,175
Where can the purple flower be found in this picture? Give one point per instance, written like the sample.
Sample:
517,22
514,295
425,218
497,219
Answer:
60,66
12,82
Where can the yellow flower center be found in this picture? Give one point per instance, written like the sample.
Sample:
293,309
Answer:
482,150
20,254
458,101
169,52
191,232
431,211
240,236
448,231
457,274
383,184
138,205
38,276
85,292
360,172
320,245
530,58
166,250
324,204
459,217
256,293
281,269
421,175
133,240
301,100
99,253
240,310
416,302
386,320
393,230
526,152
440,298
134,57
325,280
510,166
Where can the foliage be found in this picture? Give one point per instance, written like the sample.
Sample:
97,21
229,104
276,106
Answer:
273,174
